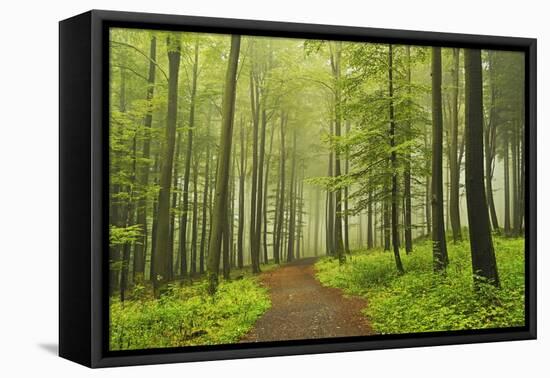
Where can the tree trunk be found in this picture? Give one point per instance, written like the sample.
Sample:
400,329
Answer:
440,257
187,169
266,191
490,147
317,221
260,191
242,176
428,190
129,222
330,205
172,236
281,206
481,244
336,73
139,251
195,224
506,158
370,242
254,103
393,159
300,200
386,225
515,182
220,202
346,202
407,208
292,203
205,198
454,200
161,263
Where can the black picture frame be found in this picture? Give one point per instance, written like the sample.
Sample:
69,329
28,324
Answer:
83,152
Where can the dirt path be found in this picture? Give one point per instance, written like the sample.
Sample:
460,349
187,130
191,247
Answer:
303,309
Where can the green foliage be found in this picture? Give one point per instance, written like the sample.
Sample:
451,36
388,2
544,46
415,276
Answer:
421,300
187,315
124,235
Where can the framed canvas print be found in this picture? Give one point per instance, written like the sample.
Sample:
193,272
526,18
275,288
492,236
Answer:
234,188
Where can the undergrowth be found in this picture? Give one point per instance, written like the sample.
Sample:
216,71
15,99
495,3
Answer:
421,300
187,315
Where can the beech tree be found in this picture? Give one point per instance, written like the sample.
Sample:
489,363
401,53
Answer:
481,243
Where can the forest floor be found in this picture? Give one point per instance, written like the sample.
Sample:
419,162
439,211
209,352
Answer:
303,309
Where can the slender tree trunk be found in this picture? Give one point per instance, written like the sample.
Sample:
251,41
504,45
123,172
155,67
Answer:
172,236
281,207
330,203
242,176
161,263
370,242
393,159
195,224
187,169
154,223
227,243
481,244
490,146
375,217
260,191
300,200
292,203
386,225
440,257
129,222
346,202
407,208
266,191
515,192
454,199
232,246
139,252
220,201
205,198
506,158
336,73
427,199
317,221
254,101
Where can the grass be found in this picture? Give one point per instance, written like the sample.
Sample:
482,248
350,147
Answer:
187,315
423,301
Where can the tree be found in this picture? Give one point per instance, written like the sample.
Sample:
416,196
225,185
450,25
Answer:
161,263
407,208
140,249
292,202
481,244
220,200
393,160
335,61
490,135
242,177
188,158
440,257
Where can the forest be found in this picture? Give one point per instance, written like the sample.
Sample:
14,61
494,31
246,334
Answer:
253,176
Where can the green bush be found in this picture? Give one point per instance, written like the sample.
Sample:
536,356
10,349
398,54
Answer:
421,300
188,316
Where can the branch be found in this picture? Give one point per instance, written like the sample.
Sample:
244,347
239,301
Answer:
142,53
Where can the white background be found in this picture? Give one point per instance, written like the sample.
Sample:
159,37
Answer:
29,186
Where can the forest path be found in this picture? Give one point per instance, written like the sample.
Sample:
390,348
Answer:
303,309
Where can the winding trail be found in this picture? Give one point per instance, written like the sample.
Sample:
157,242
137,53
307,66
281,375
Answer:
303,309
